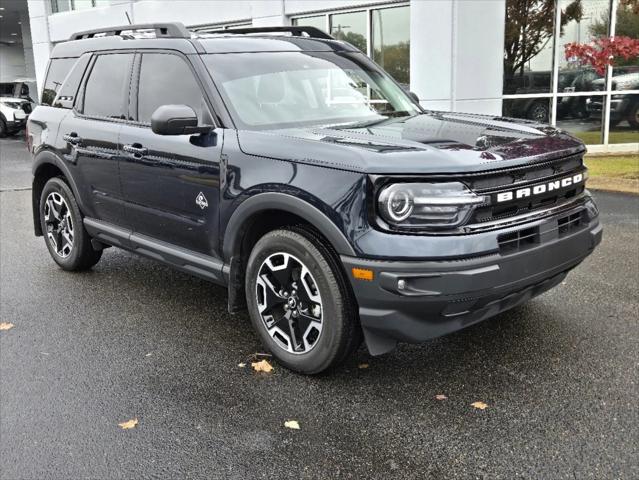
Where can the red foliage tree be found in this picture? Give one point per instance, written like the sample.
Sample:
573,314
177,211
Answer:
603,51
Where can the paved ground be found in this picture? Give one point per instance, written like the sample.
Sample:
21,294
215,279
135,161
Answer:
135,339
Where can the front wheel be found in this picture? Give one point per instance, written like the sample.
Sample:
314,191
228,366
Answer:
64,234
299,302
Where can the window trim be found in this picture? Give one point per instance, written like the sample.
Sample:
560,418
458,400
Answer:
78,104
134,87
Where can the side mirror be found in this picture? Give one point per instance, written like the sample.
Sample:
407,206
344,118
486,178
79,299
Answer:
414,96
176,120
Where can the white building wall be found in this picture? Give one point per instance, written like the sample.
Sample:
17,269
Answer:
11,62
457,54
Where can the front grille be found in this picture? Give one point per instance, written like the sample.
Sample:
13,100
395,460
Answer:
536,177
516,241
519,240
569,224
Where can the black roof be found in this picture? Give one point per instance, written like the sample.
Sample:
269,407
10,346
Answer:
174,36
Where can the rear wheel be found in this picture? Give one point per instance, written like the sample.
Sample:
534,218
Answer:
64,234
299,302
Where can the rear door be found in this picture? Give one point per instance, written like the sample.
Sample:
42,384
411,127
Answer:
171,185
91,133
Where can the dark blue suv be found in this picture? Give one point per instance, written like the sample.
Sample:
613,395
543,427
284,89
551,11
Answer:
289,167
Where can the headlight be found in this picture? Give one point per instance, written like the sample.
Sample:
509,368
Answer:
15,105
427,205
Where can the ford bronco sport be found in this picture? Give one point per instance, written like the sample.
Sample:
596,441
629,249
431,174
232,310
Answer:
289,167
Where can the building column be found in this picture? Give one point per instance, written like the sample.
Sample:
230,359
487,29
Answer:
456,54
268,13
39,12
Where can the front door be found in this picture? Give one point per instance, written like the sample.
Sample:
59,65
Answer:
170,183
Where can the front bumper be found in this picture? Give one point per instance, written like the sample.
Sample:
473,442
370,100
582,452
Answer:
412,301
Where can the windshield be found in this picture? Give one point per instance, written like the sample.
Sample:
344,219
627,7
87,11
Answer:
267,90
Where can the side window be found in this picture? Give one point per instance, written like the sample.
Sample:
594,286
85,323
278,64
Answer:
67,93
58,70
107,87
166,79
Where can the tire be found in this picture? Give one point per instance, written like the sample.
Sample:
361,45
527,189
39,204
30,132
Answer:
64,234
3,128
539,112
324,296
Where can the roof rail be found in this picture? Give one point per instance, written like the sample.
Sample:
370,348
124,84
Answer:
162,30
294,30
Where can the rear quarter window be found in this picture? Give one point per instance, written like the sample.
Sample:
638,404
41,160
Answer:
58,70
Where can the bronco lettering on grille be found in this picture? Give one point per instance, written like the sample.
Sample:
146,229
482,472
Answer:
541,188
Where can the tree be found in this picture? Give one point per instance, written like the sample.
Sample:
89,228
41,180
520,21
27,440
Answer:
627,21
529,27
620,50
604,51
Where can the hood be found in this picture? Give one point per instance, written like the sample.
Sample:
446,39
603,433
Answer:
433,142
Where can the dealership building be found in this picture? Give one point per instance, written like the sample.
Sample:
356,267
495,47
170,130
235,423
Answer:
496,57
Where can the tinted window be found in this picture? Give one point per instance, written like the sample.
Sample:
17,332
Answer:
58,70
166,80
6,89
72,82
107,86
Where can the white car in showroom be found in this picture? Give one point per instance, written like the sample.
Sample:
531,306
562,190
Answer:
14,112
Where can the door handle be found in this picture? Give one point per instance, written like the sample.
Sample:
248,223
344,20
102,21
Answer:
135,149
72,138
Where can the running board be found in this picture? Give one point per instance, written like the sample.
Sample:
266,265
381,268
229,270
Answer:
200,265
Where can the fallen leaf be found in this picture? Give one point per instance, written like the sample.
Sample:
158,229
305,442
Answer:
130,424
363,365
262,366
440,397
241,365
479,405
294,424
6,325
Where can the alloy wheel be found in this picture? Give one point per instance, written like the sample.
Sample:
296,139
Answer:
59,224
289,303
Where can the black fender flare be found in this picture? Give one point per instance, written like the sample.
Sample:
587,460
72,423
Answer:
42,158
288,203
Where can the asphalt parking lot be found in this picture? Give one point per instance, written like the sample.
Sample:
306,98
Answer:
134,339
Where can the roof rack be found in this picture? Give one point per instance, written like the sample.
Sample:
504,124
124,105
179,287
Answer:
162,30
295,31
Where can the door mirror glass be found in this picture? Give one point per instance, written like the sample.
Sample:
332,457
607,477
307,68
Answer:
176,120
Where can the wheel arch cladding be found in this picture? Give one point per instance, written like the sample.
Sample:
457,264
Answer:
271,211
47,165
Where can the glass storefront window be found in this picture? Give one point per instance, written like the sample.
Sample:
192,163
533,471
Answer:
585,25
318,21
528,46
578,104
391,42
624,118
586,119
537,109
350,27
58,6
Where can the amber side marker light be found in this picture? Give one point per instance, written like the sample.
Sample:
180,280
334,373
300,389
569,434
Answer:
363,274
